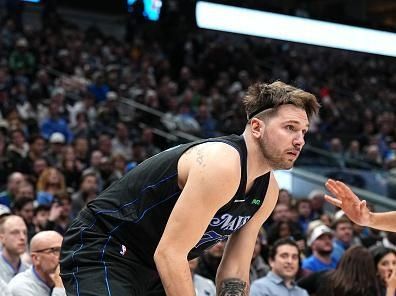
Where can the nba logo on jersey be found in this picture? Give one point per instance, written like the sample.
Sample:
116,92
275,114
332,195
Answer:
123,250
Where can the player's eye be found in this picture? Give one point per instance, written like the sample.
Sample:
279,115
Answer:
290,128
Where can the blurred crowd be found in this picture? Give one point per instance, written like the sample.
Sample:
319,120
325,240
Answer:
66,134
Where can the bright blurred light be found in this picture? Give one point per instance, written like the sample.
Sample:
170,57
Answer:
277,26
152,8
32,1
284,179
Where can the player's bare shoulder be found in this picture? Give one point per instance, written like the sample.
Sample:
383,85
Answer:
217,156
203,154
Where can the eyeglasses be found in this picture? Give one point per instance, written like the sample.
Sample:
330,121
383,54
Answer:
53,250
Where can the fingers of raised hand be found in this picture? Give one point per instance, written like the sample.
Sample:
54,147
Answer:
363,205
344,189
332,200
332,186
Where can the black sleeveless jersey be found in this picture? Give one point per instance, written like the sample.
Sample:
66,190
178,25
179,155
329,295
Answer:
135,209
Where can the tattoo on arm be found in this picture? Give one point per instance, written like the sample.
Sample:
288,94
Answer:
232,287
200,159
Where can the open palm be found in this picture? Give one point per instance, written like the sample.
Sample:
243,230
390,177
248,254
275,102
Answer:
344,198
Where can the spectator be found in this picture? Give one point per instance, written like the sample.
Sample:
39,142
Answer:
71,167
4,289
284,197
343,236
43,277
317,203
284,260
37,145
209,261
106,170
39,166
60,214
95,160
25,189
147,140
14,181
389,240
40,217
85,106
82,127
108,114
320,241
373,157
81,149
258,267
207,123
57,141
18,149
139,152
13,237
354,276
202,286
23,207
88,190
305,214
99,88
353,152
281,212
119,164
385,263
105,145
326,219
121,143
21,60
55,124
50,182
185,120
5,165
283,229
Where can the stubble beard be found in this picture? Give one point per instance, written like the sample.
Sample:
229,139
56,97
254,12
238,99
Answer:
273,156
324,253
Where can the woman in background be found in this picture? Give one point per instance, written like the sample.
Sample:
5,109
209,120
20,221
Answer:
385,262
355,275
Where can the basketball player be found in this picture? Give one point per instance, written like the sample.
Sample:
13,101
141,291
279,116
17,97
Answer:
357,210
169,209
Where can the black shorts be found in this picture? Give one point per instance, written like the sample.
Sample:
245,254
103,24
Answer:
93,263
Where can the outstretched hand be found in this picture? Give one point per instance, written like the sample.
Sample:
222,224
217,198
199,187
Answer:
345,199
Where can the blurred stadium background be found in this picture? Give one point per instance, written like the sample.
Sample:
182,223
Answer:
99,86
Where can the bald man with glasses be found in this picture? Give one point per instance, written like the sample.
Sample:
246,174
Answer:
43,277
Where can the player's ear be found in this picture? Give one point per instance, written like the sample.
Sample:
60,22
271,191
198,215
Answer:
256,127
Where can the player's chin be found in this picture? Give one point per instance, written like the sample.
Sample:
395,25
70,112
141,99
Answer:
287,164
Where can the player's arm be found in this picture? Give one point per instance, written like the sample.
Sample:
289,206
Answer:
384,221
233,273
357,210
213,179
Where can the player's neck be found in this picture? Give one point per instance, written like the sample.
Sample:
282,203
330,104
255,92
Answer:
256,163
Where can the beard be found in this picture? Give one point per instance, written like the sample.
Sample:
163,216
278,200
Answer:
324,253
274,157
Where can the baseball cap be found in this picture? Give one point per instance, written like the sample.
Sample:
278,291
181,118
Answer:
57,137
22,42
111,96
317,232
4,210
